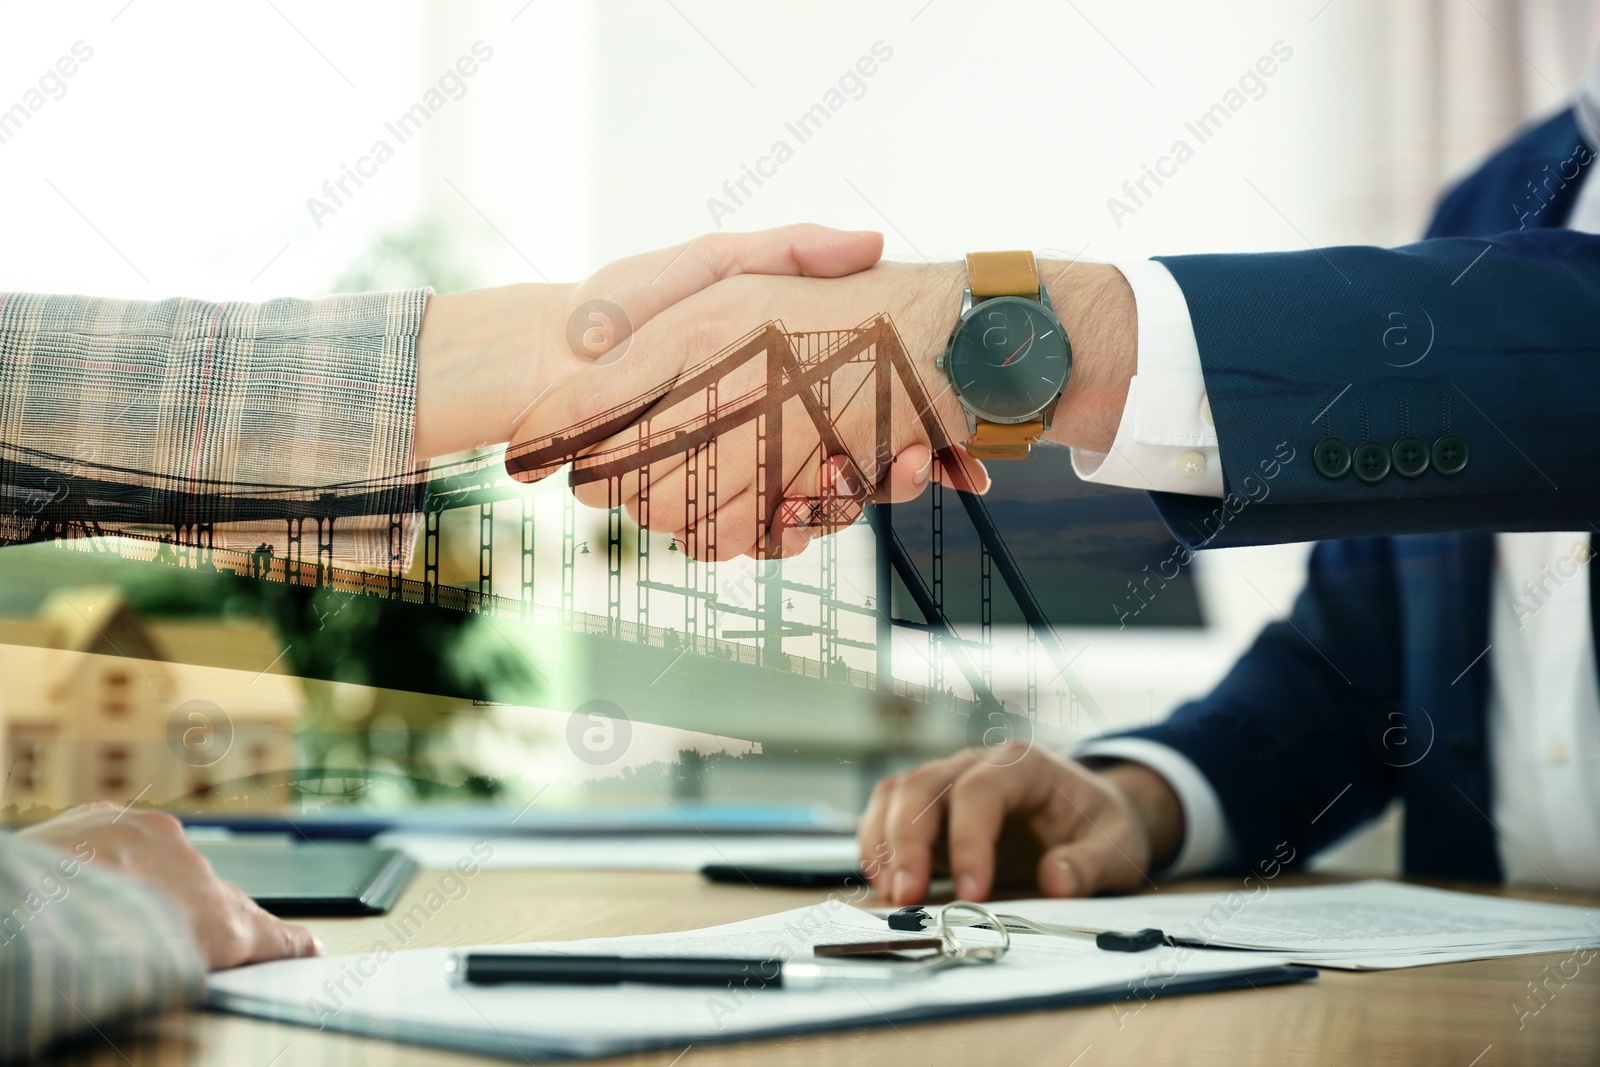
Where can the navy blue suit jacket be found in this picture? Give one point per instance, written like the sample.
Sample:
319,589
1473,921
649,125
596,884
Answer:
1376,685
1505,305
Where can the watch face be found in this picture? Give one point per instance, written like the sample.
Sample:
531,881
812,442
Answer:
1009,358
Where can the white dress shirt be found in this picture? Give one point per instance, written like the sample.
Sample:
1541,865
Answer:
1544,698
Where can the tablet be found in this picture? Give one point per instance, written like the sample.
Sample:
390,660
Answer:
796,874
307,878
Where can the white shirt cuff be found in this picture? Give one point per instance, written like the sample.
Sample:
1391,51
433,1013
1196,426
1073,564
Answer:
1165,440
1207,843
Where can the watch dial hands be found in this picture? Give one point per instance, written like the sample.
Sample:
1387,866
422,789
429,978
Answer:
994,345
1021,347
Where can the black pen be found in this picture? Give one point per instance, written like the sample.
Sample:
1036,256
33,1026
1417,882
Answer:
501,968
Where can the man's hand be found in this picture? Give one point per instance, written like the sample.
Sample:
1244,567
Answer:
1022,817
922,301
230,928
487,358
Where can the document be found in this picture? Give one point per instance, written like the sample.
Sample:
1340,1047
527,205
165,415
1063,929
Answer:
407,996
660,851
1359,926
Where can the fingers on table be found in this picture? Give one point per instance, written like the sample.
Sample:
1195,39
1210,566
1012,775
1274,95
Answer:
1074,869
964,803
267,937
914,811
979,802
1091,850
872,847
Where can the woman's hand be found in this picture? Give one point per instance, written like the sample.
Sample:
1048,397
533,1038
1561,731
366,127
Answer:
487,358
230,928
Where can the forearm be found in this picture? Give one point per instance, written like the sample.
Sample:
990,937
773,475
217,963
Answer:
80,947
187,412
1096,306
480,366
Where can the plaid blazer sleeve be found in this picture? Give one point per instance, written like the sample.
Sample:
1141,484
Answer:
80,947
232,418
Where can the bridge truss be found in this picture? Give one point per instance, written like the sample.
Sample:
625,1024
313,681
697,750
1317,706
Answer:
768,379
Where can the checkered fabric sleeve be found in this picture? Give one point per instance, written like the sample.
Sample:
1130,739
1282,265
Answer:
197,420
80,947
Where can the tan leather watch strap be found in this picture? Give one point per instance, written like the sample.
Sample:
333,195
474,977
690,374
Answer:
1001,440
1002,274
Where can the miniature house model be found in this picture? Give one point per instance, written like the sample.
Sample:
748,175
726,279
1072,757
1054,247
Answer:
93,707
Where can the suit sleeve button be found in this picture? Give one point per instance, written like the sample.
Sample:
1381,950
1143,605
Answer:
1371,461
1410,455
1331,457
1450,454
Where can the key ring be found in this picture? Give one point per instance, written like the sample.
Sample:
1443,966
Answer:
954,950
917,917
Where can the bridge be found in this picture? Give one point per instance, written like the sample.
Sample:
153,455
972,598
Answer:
656,611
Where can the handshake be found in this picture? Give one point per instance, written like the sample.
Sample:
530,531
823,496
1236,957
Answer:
623,350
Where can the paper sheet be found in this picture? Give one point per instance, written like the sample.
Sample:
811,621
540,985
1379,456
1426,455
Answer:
407,995
687,852
1362,925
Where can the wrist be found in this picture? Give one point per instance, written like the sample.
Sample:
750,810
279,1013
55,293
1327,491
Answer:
1097,309
927,337
1156,806
479,363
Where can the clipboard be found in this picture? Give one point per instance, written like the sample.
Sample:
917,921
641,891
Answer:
412,998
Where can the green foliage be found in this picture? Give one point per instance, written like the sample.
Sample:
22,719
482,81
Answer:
423,255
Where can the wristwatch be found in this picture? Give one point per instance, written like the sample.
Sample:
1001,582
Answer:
1008,358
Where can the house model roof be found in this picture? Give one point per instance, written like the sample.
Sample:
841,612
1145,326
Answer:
235,664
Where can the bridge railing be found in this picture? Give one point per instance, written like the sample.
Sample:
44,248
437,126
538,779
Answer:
408,590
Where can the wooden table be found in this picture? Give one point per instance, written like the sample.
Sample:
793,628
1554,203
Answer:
1455,1015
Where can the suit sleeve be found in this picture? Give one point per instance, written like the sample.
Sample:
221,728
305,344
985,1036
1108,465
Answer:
227,418
80,948
1165,440
1489,344
1293,738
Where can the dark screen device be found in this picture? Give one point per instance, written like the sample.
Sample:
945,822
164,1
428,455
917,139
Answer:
820,874
327,878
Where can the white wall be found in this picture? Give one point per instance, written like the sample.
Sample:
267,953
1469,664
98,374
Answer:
182,154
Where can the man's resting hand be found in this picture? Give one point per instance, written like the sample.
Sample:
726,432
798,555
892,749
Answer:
1019,816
